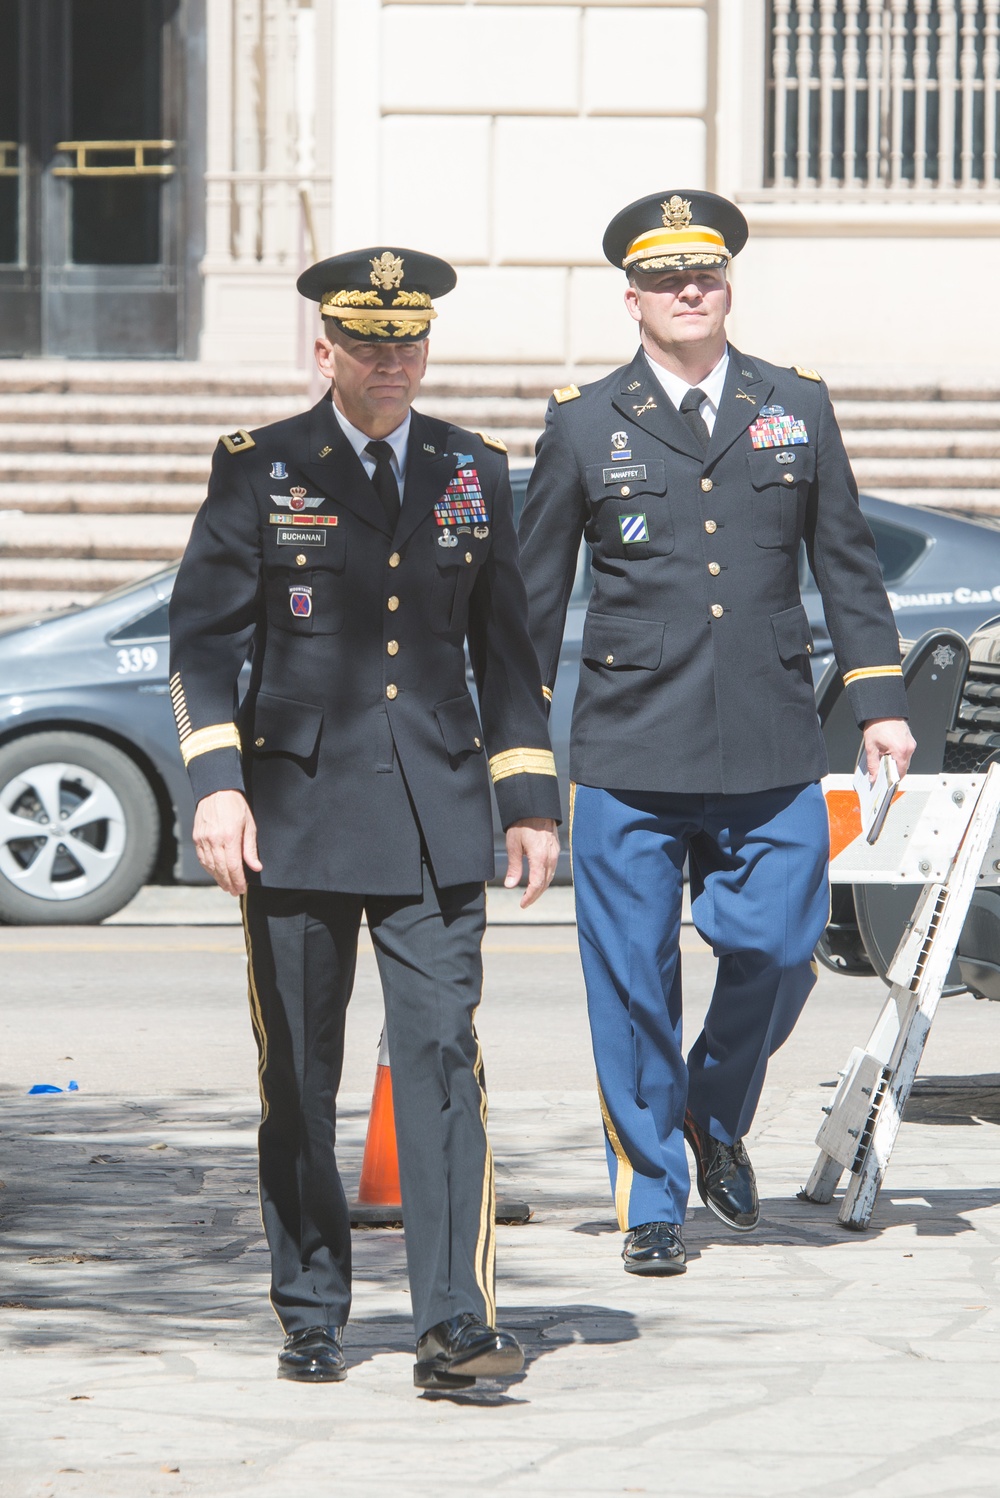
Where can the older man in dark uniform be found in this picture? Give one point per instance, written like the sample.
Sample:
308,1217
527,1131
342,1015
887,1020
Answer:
694,474
352,551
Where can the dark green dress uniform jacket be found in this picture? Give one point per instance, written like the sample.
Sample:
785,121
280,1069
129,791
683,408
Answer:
695,674
358,735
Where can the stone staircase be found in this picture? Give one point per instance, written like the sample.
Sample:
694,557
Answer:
103,465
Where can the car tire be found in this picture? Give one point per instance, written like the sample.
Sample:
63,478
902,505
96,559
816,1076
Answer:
98,830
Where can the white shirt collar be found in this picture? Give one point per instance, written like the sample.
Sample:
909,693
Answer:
397,440
676,388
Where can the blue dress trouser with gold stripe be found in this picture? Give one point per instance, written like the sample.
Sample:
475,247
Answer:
759,897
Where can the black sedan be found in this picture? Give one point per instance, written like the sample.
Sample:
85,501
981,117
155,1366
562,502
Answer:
94,800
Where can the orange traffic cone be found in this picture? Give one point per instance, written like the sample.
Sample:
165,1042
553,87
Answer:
379,1202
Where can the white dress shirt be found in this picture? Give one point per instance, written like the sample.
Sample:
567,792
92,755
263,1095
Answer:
676,389
397,440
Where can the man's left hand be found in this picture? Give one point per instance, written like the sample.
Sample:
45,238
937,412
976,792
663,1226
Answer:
888,736
535,839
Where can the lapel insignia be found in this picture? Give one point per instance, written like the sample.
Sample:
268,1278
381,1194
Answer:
279,471
325,452
650,405
778,431
741,395
428,448
634,386
747,374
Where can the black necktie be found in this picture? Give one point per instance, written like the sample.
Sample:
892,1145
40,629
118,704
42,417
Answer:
692,415
385,480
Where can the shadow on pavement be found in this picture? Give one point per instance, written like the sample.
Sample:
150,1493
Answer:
955,1100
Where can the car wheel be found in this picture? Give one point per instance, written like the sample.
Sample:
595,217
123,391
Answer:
79,830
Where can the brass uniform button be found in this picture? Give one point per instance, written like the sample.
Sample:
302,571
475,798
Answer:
714,568
259,743
478,743
393,647
394,559
809,650
609,660
626,491
717,611
711,527
393,604
789,478
300,560
468,556
391,691
707,485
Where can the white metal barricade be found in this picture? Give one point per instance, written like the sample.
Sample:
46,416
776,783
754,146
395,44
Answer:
941,832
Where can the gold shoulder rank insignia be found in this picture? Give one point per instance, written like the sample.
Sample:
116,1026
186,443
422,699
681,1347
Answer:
567,393
806,374
239,442
494,442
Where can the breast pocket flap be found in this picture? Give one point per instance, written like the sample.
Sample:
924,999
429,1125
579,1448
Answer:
606,480
459,726
792,633
620,644
781,465
284,726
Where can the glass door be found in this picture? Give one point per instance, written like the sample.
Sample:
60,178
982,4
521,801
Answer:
91,178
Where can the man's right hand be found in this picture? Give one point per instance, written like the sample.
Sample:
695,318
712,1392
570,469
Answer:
225,838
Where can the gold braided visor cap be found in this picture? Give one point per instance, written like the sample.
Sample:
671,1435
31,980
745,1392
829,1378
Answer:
378,295
675,230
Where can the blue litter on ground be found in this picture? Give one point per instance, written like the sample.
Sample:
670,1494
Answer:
50,1087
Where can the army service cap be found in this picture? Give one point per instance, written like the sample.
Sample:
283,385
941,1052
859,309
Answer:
379,294
675,230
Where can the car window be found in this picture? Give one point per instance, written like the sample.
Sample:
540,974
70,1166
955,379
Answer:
897,547
152,625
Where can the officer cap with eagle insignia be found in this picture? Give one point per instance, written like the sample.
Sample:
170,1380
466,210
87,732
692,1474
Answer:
380,294
675,230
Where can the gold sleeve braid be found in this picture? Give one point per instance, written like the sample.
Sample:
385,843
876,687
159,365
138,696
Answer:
522,762
202,740
865,672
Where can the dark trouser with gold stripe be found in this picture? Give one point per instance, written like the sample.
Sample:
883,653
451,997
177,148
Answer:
302,948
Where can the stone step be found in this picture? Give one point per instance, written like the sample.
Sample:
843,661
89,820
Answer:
927,473
84,437
920,445
224,412
136,468
92,575
145,377
106,537
935,415
71,497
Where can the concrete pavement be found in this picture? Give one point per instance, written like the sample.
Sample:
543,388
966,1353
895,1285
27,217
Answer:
138,1347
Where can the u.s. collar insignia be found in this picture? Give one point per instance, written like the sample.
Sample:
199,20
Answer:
428,448
325,452
634,386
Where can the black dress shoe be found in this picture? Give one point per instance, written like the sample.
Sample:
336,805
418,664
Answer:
453,1353
655,1248
313,1356
726,1180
